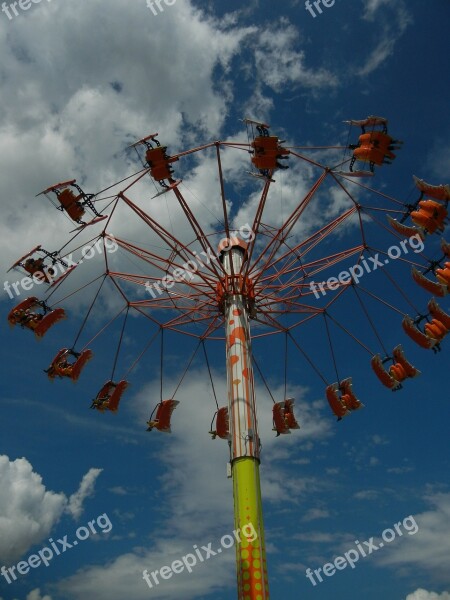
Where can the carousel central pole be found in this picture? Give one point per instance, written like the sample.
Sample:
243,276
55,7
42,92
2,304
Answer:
252,577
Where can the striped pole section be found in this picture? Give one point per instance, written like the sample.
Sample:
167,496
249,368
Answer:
245,446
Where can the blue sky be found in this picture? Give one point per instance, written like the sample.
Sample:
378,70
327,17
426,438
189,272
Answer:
79,84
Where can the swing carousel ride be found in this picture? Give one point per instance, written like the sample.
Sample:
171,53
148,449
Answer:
273,276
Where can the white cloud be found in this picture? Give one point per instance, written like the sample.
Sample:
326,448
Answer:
315,513
366,495
371,7
400,470
36,595
391,25
429,548
86,489
119,490
379,440
421,594
438,162
52,101
29,511
280,64
378,56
